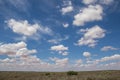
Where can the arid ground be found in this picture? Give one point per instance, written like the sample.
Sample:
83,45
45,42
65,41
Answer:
83,75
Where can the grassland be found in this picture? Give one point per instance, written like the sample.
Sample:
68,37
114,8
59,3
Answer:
86,75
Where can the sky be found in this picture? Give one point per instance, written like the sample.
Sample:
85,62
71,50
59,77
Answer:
59,35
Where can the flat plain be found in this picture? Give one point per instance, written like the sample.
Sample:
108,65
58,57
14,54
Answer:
82,75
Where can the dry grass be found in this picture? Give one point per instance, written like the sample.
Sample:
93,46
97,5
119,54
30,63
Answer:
89,75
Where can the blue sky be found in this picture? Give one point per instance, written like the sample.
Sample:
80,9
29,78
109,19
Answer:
59,35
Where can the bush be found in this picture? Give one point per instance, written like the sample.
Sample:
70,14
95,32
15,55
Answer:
72,73
47,74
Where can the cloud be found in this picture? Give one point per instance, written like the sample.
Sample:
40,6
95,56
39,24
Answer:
107,48
88,1
58,40
106,2
61,49
79,62
86,54
91,36
110,58
60,62
86,15
26,29
65,25
15,49
68,7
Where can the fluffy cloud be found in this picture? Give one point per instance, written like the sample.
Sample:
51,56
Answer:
107,48
86,15
68,7
61,49
65,25
26,29
86,54
60,62
15,49
91,35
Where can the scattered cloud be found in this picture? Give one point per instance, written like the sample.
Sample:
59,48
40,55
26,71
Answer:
61,49
107,48
68,7
106,2
86,15
26,29
79,62
88,1
60,62
91,36
58,40
65,25
86,54
15,49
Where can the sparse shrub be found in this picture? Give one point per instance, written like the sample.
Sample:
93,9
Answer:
47,74
72,73
90,78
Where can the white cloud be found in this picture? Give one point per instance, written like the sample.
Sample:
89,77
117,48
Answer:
86,54
61,49
67,7
60,62
65,25
106,2
91,36
110,58
23,27
66,10
26,29
86,15
88,1
16,49
79,62
107,48
58,40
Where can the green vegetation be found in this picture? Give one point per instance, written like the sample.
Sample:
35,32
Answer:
47,74
70,75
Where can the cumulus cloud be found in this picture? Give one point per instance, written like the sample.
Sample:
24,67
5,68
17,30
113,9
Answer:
61,49
24,28
91,36
15,49
86,15
68,7
86,54
107,48
60,62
